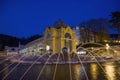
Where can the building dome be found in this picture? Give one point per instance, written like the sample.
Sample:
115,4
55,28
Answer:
58,24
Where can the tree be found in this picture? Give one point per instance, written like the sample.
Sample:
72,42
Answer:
7,40
96,30
102,29
115,22
34,37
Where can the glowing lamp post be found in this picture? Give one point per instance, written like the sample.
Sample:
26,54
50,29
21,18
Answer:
107,48
47,48
115,52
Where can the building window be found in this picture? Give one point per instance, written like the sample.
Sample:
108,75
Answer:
48,36
68,42
68,36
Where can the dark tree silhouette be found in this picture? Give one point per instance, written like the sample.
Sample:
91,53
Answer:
7,40
95,30
115,22
31,38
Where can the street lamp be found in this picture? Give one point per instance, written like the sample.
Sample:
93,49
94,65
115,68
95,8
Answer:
115,52
92,48
107,46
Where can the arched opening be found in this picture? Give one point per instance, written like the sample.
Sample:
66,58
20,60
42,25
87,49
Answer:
48,36
68,42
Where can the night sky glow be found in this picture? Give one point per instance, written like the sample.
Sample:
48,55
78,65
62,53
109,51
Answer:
23,18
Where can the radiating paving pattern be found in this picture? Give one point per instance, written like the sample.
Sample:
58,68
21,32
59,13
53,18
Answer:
61,66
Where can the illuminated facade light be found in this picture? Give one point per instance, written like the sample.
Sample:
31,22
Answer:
107,46
47,47
81,52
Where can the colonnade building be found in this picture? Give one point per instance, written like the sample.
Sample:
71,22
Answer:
55,38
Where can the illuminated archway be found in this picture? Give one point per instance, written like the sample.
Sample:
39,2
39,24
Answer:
68,42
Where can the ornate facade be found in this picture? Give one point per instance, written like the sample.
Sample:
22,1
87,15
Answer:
55,38
58,37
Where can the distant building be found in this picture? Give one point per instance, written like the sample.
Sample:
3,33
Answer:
77,34
33,47
11,50
83,35
114,38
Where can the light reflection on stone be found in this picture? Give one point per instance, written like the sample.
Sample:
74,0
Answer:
94,71
76,72
110,71
6,70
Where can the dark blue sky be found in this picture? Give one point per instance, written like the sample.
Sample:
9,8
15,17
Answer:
23,18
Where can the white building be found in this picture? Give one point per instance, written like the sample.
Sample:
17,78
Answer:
11,50
77,34
33,47
83,35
